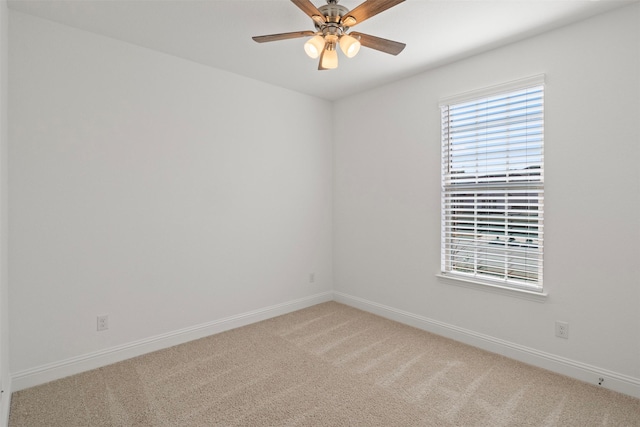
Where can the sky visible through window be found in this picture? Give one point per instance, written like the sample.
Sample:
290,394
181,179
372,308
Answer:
496,138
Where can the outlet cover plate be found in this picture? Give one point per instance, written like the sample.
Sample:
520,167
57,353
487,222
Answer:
562,330
103,323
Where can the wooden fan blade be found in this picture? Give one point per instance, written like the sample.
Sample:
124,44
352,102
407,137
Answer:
282,36
320,67
307,7
377,43
368,9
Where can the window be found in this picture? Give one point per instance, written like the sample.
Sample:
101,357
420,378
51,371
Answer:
493,186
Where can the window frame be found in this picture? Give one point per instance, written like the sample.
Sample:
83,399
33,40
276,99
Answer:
533,289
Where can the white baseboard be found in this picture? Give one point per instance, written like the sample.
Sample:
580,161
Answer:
571,368
53,371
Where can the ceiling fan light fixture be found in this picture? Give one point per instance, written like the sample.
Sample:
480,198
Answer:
329,59
313,47
332,22
349,45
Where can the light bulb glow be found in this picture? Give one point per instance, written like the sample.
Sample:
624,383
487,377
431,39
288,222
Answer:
349,45
329,59
313,47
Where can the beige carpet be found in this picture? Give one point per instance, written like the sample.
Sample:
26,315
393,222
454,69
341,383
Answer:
328,365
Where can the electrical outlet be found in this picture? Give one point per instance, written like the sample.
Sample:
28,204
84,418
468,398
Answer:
103,323
562,330
312,278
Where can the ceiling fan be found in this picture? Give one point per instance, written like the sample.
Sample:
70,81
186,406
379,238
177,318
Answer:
332,22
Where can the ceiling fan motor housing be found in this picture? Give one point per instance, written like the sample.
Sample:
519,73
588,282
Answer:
333,13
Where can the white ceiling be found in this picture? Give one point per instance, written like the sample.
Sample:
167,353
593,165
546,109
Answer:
218,33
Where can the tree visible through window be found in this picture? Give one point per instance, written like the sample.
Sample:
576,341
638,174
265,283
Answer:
492,188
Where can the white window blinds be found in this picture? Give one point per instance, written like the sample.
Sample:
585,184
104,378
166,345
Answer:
492,188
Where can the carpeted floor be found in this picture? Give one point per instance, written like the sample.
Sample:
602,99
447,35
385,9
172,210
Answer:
327,365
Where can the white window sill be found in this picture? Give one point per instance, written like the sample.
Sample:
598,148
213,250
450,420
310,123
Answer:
494,288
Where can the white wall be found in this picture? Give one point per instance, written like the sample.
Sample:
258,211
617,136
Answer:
160,192
387,197
5,383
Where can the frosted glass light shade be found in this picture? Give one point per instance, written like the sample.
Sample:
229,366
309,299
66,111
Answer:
314,46
329,59
349,45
